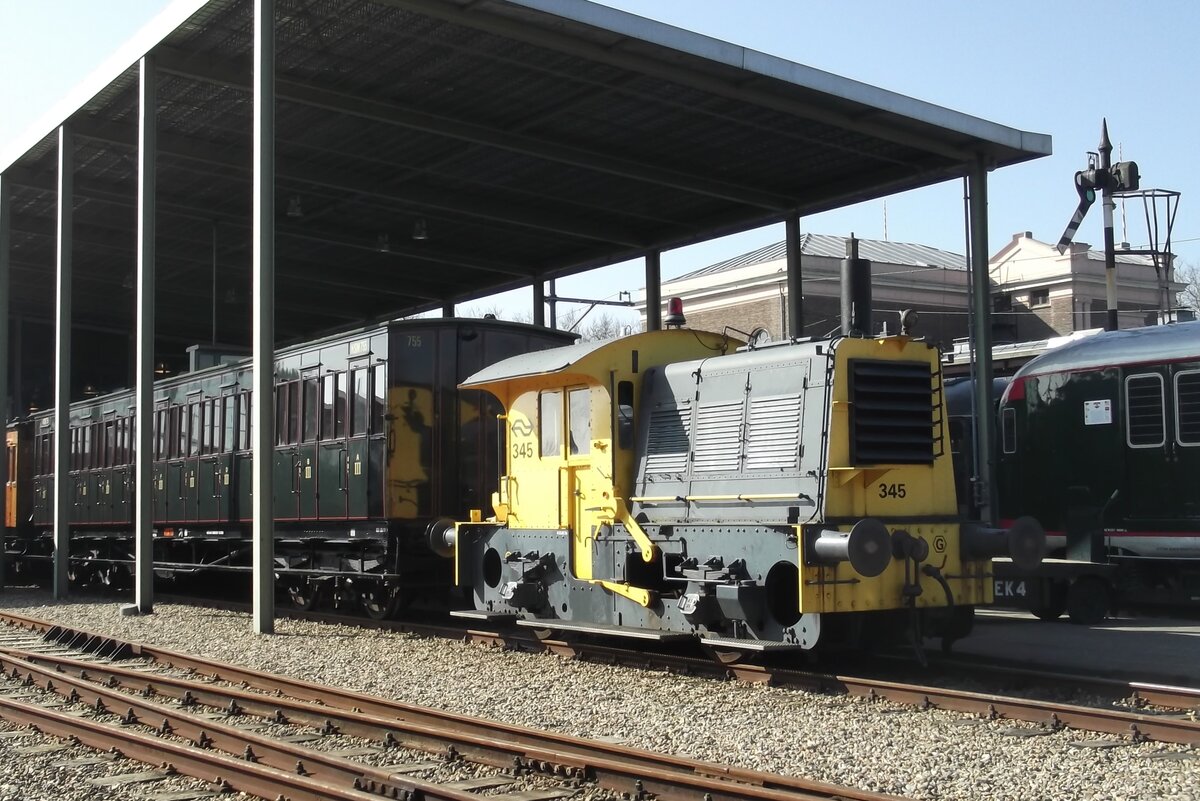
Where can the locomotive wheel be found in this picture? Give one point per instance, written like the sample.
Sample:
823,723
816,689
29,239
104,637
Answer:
382,601
1055,602
728,657
1087,601
305,595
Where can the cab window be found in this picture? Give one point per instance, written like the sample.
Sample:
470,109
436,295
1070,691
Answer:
550,423
580,419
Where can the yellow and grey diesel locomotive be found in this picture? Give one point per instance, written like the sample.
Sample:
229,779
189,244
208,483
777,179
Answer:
679,483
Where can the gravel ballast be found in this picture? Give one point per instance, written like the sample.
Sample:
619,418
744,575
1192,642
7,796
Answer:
869,745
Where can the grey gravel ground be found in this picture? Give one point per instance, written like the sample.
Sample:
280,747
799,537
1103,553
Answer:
868,745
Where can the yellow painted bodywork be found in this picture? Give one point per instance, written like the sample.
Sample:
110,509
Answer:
578,492
891,493
11,453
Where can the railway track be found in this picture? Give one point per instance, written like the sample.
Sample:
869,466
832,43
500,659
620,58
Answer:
516,751
1139,709
182,711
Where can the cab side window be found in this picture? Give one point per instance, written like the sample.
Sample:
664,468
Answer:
580,419
550,423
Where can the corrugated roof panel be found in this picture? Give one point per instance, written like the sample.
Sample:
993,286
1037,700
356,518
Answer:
834,247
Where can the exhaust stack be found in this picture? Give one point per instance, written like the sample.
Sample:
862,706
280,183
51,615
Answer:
856,292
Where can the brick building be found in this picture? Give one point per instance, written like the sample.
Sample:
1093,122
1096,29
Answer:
750,291
1039,292
1036,292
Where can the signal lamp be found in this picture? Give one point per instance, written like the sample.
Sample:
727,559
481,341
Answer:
674,316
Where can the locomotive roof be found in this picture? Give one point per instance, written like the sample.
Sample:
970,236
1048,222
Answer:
558,360
1157,343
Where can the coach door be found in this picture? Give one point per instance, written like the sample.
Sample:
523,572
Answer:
1186,488
308,449
333,449
213,472
286,472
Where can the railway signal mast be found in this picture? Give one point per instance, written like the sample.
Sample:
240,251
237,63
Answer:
1109,178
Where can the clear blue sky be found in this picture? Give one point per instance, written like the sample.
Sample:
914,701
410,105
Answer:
1049,67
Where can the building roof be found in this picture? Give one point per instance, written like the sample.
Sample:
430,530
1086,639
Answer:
530,138
834,247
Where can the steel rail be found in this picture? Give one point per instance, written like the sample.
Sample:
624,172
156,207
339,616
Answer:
1052,715
321,768
610,766
222,770
1138,692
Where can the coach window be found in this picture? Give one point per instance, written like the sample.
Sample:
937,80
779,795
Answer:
1187,407
378,398
359,415
550,423
197,428
1145,416
340,406
312,408
579,417
244,421
1008,429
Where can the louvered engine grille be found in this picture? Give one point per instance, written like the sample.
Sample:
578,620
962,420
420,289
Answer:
773,441
891,412
718,437
667,450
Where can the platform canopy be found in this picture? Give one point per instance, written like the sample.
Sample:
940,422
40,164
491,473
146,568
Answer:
433,151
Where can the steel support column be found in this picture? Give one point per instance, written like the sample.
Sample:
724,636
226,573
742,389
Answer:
985,427
263,423
654,291
144,369
62,364
448,309
793,326
539,302
5,244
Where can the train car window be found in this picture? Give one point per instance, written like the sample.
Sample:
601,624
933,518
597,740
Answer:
580,420
359,415
86,433
229,416
1008,429
197,428
178,432
329,390
1145,415
378,398
206,427
312,408
550,423
110,444
340,403
244,420
1187,407
295,414
625,427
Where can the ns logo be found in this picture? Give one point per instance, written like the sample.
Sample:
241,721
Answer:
522,427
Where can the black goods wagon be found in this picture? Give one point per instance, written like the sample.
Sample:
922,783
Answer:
374,441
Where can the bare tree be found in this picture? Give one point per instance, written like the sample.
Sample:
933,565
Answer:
1189,274
495,310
